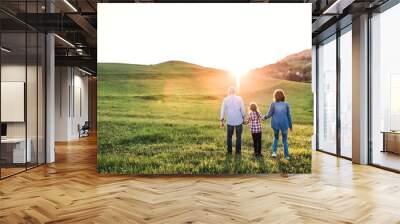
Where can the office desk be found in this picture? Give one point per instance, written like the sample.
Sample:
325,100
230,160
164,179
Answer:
13,150
391,141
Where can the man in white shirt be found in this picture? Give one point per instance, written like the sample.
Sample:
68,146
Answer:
233,109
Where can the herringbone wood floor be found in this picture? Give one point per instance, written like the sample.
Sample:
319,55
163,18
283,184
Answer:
70,191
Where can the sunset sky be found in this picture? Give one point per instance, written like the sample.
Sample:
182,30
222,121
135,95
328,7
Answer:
234,37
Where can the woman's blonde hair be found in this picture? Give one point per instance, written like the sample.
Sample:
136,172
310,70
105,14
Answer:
279,95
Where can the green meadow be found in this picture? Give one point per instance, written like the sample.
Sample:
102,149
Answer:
163,119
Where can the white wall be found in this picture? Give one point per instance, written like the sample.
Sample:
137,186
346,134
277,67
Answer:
62,82
70,83
80,115
16,73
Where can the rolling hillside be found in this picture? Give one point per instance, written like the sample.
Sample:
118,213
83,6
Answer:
295,67
168,67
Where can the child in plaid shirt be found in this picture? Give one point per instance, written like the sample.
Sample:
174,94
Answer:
254,119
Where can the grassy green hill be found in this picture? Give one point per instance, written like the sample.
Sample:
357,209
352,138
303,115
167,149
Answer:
163,119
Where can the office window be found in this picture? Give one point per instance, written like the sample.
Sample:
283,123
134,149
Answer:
327,96
346,93
385,89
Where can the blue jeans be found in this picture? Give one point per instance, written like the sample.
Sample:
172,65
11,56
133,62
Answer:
229,135
284,141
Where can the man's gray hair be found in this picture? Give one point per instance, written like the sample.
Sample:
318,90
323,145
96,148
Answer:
231,90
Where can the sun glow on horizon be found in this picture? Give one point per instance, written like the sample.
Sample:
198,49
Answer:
238,75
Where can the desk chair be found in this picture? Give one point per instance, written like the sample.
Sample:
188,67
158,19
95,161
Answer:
84,130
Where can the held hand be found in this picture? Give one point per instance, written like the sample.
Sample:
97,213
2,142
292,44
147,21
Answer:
222,124
291,129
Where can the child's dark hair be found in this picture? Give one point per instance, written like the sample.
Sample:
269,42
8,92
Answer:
279,95
253,107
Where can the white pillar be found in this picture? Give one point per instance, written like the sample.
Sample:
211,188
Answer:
50,98
360,90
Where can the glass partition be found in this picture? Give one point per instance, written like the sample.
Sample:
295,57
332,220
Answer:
32,95
22,78
32,84
14,153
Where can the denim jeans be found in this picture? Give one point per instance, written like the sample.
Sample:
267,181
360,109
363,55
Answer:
230,131
284,141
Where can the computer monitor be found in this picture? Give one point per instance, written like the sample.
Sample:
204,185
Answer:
3,129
